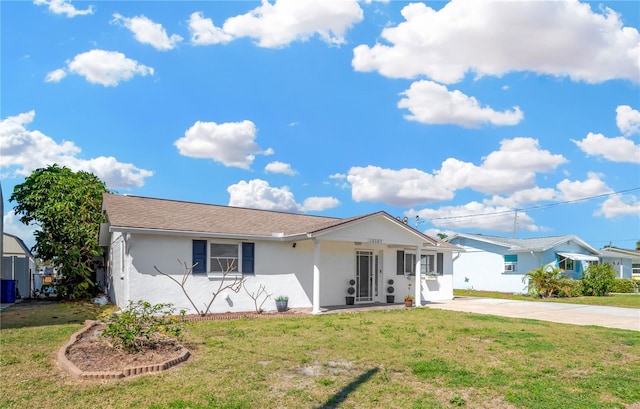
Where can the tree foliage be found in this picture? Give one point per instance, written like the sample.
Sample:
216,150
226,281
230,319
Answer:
67,207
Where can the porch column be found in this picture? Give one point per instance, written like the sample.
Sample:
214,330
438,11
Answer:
316,278
418,283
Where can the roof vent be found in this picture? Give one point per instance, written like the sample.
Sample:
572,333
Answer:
277,234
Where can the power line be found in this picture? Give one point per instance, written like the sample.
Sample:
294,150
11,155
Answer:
545,206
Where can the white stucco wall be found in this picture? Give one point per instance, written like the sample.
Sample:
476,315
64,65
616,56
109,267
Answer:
484,271
282,268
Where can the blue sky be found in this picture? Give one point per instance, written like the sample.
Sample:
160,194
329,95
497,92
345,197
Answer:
456,112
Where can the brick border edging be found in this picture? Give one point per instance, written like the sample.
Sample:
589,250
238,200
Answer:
68,366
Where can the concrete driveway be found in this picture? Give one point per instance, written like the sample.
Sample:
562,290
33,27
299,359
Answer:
577,314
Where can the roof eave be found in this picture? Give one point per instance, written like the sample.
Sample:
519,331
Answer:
233,236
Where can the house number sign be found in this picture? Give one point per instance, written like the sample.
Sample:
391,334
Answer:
374,241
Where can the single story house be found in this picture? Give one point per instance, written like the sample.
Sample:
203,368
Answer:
18,264
625,261
491,263
312,260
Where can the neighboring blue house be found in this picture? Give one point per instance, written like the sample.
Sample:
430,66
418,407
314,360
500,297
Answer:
491,263
626,262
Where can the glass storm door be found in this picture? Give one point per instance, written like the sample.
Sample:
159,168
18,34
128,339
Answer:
364,276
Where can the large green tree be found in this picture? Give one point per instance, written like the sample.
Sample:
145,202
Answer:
67,207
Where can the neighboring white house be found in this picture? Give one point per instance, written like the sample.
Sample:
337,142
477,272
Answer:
18,264
491,263
310,259
626,262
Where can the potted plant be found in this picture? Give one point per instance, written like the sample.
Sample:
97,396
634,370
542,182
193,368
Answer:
390,290
350,298
282,302
408,300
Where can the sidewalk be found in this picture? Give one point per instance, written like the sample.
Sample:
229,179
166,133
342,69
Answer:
576,314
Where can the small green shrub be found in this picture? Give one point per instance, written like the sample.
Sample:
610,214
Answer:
142,326
624,285
574,287
598,279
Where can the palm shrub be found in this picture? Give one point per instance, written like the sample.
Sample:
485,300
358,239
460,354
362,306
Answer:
547,282
598,279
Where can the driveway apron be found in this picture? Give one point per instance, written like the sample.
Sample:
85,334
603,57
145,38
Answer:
576,314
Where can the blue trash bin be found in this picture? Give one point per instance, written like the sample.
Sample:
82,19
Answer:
7,291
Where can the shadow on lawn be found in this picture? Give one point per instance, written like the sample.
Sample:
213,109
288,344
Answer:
335,400
35,313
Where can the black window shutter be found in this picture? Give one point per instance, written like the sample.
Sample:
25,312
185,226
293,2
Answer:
199,256
439,264
248,258
400,263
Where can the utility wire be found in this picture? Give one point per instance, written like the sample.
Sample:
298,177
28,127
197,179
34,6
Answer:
539,207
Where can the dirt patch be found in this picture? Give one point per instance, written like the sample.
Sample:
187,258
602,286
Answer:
92,353
89,356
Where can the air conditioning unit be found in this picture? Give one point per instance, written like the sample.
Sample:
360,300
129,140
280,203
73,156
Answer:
510,267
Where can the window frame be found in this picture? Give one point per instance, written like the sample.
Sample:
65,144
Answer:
244,258
436,263
564,259
210,258
510,263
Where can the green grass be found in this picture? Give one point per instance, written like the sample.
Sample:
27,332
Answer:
613,300
414,358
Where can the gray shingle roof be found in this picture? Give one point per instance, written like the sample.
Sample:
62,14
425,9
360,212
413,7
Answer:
135,212
160,214
536,243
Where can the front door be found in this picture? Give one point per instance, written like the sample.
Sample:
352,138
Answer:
364,276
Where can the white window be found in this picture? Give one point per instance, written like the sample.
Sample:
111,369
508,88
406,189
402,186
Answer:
565,263
223,257
409,263
432,264
510,263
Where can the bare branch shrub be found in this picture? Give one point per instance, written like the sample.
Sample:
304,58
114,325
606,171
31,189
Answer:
224,285
255,296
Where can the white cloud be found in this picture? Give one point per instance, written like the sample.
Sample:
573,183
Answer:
257,194
431,103
476,215
317,203
404,187
147,31
13,225
576,190
508,170
619,206
618,149
107,68
23,151
628,120
204,32
64,7
279,167
284,21
524,196
523,154
558,38
511,169
56,75
232,143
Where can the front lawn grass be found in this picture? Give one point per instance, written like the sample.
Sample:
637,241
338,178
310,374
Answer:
413,358
612,300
